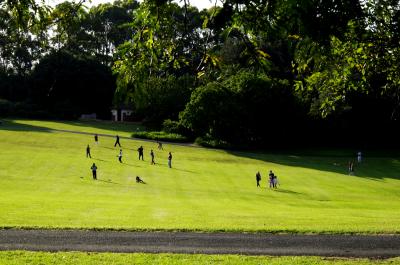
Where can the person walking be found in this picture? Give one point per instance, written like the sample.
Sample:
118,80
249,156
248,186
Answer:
170,160
94,171
152,157
88,151
120,155
258,178
96,139
117,141
140,151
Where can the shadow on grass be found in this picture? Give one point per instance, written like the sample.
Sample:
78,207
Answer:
116,183
109,181
97,159
174,168
286,191
118,127
107,125
376,165
131,165
9,125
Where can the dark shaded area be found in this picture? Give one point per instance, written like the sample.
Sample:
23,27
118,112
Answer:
106,125
70,85
287,191
376,164
61,86
8,125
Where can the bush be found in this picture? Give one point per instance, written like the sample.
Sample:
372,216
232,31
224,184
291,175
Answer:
160,98
161,136
6,108
207,141
246,109
170,126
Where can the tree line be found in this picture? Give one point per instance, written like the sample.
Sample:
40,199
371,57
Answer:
247,72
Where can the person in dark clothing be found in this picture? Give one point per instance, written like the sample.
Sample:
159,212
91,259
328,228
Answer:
258,179
140,151
117,141
88,151
271,179
170,160
139,180
160,146
94,171
351,168
96,139
120,155
152,157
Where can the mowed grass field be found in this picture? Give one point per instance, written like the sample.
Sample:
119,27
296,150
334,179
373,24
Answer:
72,258
45,181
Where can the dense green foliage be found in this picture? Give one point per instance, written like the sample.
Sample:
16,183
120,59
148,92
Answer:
73,258
161,136
69,85
245,108
242,72
46,182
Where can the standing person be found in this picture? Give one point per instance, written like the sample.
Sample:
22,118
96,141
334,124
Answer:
359,157
96,139
169,160
275,180
117,141
88,151
120,155
152,157
94,171
160,146
140,151
258,178
271,179
351,168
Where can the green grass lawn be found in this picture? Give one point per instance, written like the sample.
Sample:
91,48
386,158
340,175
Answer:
45,181
61,258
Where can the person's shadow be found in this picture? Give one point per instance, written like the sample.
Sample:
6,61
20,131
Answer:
109,181
286,191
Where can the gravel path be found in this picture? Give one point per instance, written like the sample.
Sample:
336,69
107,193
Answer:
379,246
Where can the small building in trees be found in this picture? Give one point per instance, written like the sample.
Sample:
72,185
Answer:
122,113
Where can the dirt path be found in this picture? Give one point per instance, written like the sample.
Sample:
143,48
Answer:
379,246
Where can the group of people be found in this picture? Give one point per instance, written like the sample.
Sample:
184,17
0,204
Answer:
272,180
140,152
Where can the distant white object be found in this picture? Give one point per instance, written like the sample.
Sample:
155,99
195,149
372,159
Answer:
359,157
122,114
91,116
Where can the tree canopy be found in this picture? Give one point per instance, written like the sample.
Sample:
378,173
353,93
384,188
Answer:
227,72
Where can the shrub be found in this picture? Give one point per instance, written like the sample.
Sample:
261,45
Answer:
6,107
161,136
207,141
